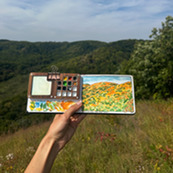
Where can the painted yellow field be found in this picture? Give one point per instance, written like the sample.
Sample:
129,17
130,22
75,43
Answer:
107,96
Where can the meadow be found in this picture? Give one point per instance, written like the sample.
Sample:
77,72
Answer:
103,143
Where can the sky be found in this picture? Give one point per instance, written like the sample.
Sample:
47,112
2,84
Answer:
115,79
75,20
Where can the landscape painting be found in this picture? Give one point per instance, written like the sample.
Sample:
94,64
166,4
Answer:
108,93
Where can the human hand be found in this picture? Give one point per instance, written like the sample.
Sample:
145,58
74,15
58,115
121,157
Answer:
60,132
64,125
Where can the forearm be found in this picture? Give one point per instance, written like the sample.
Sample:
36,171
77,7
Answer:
59,133
44,156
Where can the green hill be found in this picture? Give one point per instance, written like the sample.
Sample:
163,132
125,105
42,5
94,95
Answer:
18,59
149,61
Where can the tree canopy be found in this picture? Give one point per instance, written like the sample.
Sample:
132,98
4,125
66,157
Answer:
152,63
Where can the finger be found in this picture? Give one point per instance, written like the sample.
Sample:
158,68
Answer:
73,109
81,117
75,120
56,116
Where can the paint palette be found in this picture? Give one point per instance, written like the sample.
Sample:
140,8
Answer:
54,86
56,92
68,87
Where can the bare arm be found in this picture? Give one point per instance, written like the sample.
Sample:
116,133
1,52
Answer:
60,132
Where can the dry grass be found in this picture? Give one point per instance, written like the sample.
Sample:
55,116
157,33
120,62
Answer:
103,143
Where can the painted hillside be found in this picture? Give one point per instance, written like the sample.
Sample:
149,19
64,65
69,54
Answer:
107,96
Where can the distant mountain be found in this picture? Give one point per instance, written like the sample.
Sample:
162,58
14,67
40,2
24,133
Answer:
18,59
24,57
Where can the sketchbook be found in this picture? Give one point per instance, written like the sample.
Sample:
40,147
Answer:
100,93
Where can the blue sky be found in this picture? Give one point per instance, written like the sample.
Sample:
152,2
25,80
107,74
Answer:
115,79
69,20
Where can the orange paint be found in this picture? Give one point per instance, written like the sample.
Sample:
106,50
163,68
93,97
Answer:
66,105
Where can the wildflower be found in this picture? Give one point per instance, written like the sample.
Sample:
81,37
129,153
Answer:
103,135
9,156
30,149
158,168
160,119
169,149
140,168
158,146
161,150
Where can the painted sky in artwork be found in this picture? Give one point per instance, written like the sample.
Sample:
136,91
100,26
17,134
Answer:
114,79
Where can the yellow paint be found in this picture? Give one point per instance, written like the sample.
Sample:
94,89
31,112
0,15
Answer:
65,78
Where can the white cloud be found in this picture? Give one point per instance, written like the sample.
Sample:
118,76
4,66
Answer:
67,20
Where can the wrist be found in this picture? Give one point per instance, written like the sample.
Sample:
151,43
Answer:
51,142
56,143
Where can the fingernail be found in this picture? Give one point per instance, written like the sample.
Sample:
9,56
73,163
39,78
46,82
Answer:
79,102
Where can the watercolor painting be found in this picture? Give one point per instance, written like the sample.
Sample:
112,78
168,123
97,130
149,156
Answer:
49,105
107,94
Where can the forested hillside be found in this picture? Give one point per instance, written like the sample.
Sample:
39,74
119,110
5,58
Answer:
18,59
104,60
24,57
149,61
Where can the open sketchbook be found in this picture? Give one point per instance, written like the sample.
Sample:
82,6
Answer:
56,92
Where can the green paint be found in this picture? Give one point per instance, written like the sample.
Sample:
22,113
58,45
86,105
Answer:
64,83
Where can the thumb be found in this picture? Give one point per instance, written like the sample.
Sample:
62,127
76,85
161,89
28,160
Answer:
73,109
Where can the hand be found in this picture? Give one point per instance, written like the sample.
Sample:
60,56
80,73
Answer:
64,125
60,132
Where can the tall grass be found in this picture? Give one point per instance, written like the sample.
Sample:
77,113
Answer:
103,143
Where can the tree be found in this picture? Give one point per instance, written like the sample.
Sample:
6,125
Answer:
152,63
